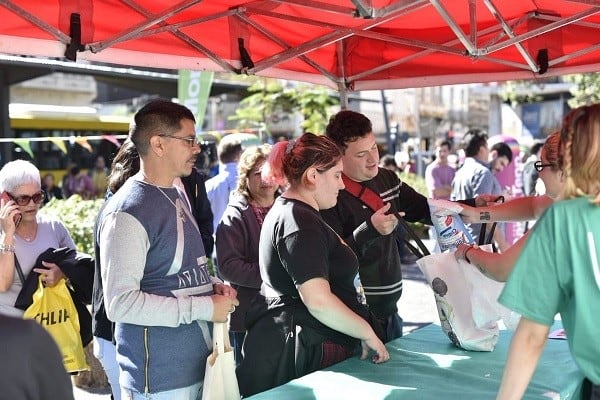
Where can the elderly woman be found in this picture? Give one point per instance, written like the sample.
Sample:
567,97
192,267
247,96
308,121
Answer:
311,311
24,233
238,234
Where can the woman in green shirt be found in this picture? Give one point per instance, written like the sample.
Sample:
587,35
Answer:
558,270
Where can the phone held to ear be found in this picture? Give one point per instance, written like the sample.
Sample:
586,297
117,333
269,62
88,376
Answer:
17,217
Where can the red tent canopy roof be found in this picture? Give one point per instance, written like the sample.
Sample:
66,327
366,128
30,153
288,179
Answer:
344,44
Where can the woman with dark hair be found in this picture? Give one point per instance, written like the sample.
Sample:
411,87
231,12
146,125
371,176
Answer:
311,311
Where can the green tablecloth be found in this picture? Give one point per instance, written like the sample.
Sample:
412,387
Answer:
424,365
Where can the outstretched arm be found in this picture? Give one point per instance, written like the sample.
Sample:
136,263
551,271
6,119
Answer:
495,265
525,350
519,209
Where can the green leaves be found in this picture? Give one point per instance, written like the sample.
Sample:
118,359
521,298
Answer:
270,96
587,90
79,216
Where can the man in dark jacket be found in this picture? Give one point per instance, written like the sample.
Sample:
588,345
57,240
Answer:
372,233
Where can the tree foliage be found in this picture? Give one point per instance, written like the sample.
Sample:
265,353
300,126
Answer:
587,89
269,96
519,92
78,216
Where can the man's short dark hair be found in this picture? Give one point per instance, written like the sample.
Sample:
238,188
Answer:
158,116
388,160
347,126
443,142
535,148
473,140
502,149
229,151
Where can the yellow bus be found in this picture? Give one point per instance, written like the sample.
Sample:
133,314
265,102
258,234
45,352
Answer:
53,142
54,137
57,140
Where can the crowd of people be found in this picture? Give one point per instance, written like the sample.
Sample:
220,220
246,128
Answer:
298,246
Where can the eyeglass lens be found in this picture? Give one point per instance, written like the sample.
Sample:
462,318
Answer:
539,166
192,141
23,200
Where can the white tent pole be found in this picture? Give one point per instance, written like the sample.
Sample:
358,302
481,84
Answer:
343,97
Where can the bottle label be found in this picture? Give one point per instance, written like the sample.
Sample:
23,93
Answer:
451,231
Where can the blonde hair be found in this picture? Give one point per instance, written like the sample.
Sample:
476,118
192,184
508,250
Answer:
580,142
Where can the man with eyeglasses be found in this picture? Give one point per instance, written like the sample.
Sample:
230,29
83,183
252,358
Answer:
157,288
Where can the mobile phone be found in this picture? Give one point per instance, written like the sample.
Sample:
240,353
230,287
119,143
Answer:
17,217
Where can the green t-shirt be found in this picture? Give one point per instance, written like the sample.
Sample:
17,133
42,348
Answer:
558,272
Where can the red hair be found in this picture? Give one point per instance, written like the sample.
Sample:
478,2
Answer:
288,160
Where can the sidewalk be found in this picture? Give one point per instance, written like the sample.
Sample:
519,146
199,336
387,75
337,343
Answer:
91,394
416,307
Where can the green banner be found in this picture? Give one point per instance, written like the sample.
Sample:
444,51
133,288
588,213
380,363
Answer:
193,88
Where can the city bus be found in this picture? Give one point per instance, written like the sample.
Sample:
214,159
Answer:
57,141
84,136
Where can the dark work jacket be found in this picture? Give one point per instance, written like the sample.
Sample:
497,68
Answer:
79,269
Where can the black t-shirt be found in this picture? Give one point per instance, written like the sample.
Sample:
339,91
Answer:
296,245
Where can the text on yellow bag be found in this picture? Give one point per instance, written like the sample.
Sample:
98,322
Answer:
53,308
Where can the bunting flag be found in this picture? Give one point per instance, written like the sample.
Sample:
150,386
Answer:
82,141
60,143
112,139
25,145
193,89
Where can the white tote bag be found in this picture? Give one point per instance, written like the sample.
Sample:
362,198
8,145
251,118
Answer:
467,301
220,382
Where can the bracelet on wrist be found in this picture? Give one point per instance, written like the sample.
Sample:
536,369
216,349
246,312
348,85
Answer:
466,252
7,248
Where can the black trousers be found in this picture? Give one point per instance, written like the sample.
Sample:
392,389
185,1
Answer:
590,391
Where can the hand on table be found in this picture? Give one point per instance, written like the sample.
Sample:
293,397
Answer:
373,343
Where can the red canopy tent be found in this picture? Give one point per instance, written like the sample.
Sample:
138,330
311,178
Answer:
344,44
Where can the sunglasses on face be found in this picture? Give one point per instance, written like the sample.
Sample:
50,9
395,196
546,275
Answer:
24,199
539,166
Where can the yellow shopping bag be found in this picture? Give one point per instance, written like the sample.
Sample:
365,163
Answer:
54,309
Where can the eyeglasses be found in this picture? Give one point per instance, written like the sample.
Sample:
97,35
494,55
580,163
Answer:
190,139
24,199
539,166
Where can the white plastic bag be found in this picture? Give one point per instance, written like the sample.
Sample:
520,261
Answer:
467,301
220,381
